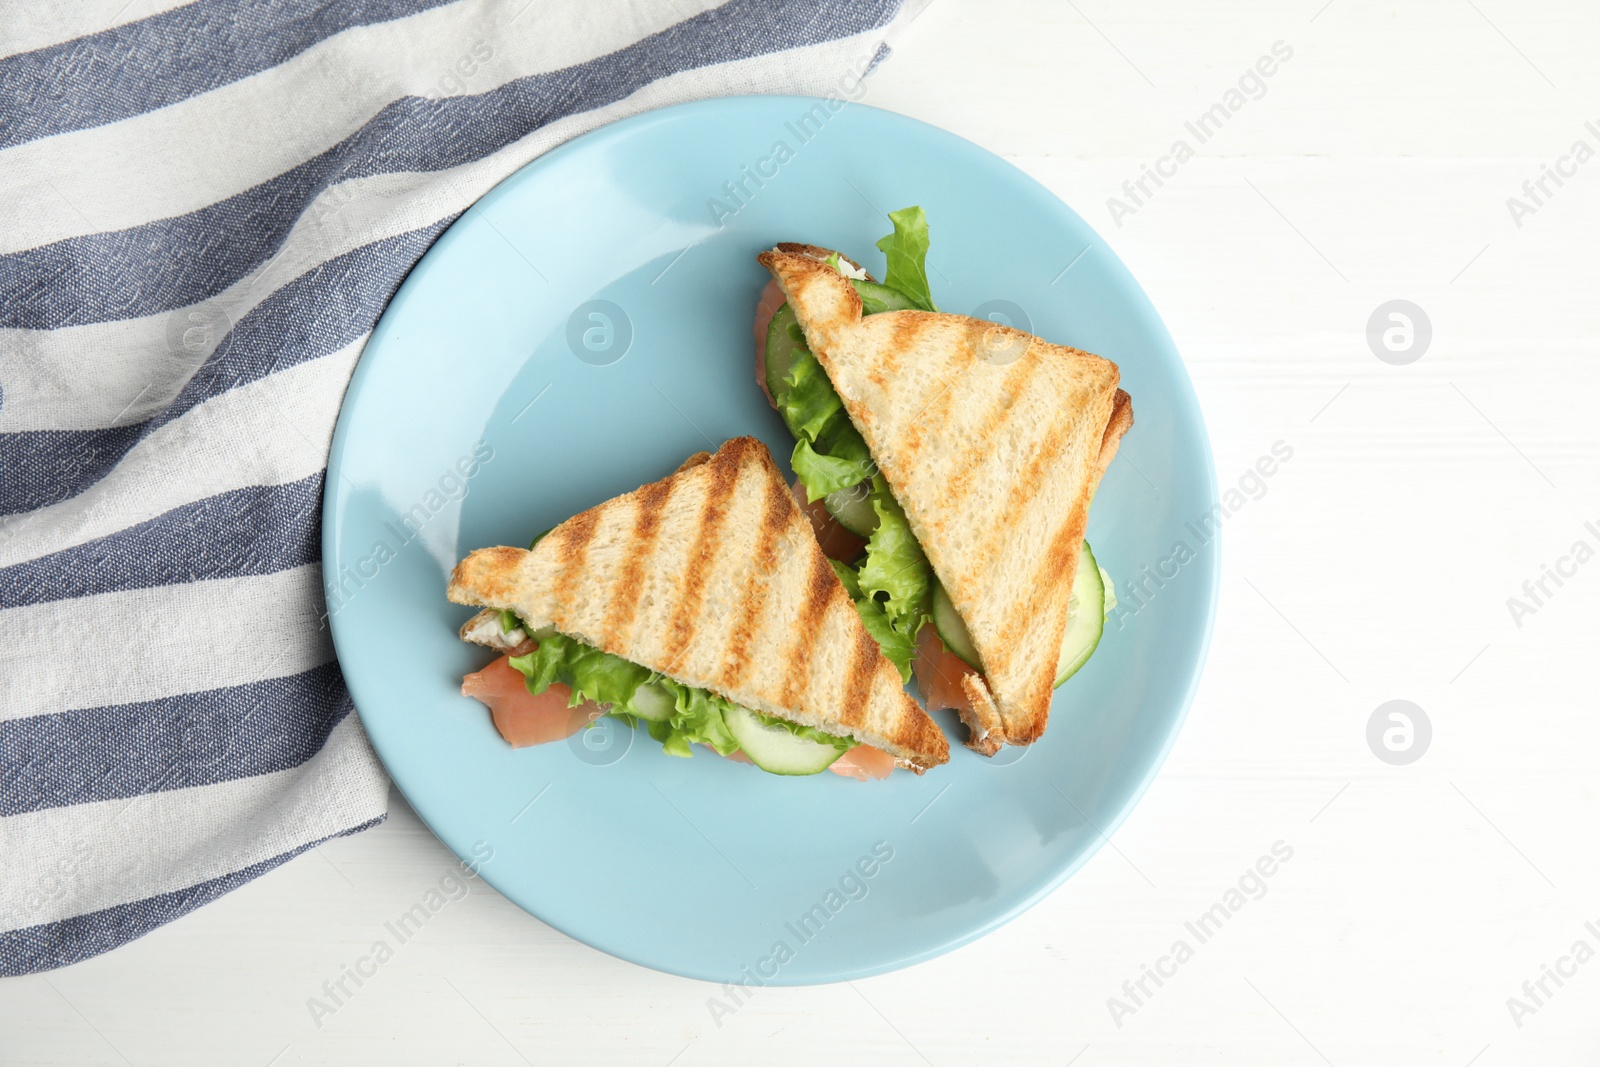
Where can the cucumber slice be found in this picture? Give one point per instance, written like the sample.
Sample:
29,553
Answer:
853,508
1086,617
876,298
653,703
783,340
776,750
952,631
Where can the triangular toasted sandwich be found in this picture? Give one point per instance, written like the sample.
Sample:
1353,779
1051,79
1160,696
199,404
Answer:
972,451
701,607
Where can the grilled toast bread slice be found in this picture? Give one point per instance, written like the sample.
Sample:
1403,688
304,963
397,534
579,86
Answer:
993,442
713,577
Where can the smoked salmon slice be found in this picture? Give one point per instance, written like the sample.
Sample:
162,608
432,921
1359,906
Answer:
522,718
863,763
939,672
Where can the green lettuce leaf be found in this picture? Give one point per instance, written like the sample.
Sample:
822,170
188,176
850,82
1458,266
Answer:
698,718
830,453
898,648
821,473
544,666
808,402
606,679
895,572
906,250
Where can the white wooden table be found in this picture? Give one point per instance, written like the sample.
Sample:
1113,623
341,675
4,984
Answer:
1376,564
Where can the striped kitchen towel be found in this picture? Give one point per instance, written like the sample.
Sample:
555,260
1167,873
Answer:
203,210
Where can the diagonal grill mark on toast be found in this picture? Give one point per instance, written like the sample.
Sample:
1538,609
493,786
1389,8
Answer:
1051,571
858,688
1033,483
1058,565
908,325
649,502
1052,580
1014,384
571,544
821,586
1018,377
723,469
777,511
935,412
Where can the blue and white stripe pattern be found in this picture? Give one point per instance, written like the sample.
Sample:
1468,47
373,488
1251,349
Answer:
203,210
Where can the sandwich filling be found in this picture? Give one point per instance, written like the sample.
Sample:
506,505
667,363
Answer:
567,684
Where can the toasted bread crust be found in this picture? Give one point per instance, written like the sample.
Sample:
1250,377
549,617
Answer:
985,731
713,577
819,253
1120,423
993,441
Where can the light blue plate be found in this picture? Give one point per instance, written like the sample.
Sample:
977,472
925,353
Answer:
472,421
